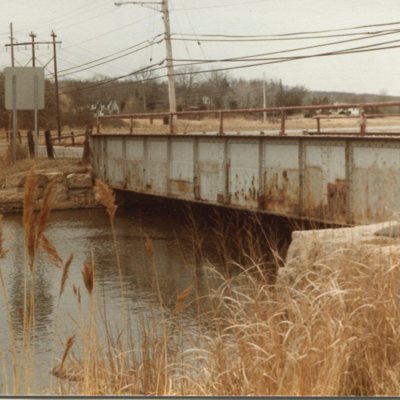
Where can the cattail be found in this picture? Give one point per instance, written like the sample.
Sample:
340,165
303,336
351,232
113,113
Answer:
106,197
45,210
29,216
88,276
51,251
180,301
148,243
65,274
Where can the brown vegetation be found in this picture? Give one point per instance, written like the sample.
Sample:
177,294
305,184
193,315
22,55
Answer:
334,333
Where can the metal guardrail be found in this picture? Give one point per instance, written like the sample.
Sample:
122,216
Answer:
281,111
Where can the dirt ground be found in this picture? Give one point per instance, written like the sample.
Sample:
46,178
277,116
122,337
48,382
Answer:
7,168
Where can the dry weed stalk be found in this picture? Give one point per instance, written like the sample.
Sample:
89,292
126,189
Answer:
77,292
29,219
2,251
106,197
45,210
51,251
148,243
88,276
68,346
181,298
65,274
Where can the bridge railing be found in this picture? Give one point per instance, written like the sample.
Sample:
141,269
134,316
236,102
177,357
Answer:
171,118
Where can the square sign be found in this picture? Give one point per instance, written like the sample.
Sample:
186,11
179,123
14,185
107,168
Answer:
27,85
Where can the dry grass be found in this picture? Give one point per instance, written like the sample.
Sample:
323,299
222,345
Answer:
7,168
333,333
243,124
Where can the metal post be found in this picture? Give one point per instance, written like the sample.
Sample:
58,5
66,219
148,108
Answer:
221,123
131,125
172,123
264,99
318,125
363,123
36,101
283,117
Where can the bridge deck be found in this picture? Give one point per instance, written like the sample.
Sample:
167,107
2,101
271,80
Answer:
334,179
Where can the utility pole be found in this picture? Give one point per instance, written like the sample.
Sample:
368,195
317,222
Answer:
53,35
168,48
33,36
12,45
33,43
170,66
264,99
14,108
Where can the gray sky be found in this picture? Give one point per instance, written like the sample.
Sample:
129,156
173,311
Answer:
91,29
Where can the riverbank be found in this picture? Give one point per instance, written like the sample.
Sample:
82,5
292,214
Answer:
73,183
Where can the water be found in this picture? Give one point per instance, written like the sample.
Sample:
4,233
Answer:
86,234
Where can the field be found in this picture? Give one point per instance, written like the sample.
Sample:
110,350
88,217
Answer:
242,124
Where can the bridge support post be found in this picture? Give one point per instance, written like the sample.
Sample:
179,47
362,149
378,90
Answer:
172,123
221,123
283,120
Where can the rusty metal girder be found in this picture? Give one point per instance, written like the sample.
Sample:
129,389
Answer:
341,180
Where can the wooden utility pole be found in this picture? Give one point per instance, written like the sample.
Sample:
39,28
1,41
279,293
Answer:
170,65
53,35
12,45
264,99
33,36
169,58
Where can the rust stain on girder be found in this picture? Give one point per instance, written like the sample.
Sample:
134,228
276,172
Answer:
280,193
182,188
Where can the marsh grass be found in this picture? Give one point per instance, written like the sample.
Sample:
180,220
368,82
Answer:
335,332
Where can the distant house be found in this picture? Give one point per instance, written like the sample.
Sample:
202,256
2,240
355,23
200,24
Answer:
207,101
99,108
348,111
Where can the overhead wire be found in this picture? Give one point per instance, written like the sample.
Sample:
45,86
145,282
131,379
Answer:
299,33
249,57
360,49
233,39
107,59
108,32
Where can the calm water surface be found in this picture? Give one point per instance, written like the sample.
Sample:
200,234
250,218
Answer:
86,234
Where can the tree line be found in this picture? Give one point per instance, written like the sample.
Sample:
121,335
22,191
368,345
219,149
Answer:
80,100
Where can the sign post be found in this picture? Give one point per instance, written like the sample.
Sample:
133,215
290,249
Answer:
24,90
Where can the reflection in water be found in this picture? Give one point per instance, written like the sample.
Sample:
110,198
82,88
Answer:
87,234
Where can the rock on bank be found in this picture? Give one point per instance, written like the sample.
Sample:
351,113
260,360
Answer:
73,188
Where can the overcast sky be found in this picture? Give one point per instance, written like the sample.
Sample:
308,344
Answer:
92,29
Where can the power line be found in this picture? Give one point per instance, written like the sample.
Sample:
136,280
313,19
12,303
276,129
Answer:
110,31
106,59
221,5
300,33
237,39
249,57
106,81
362,49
